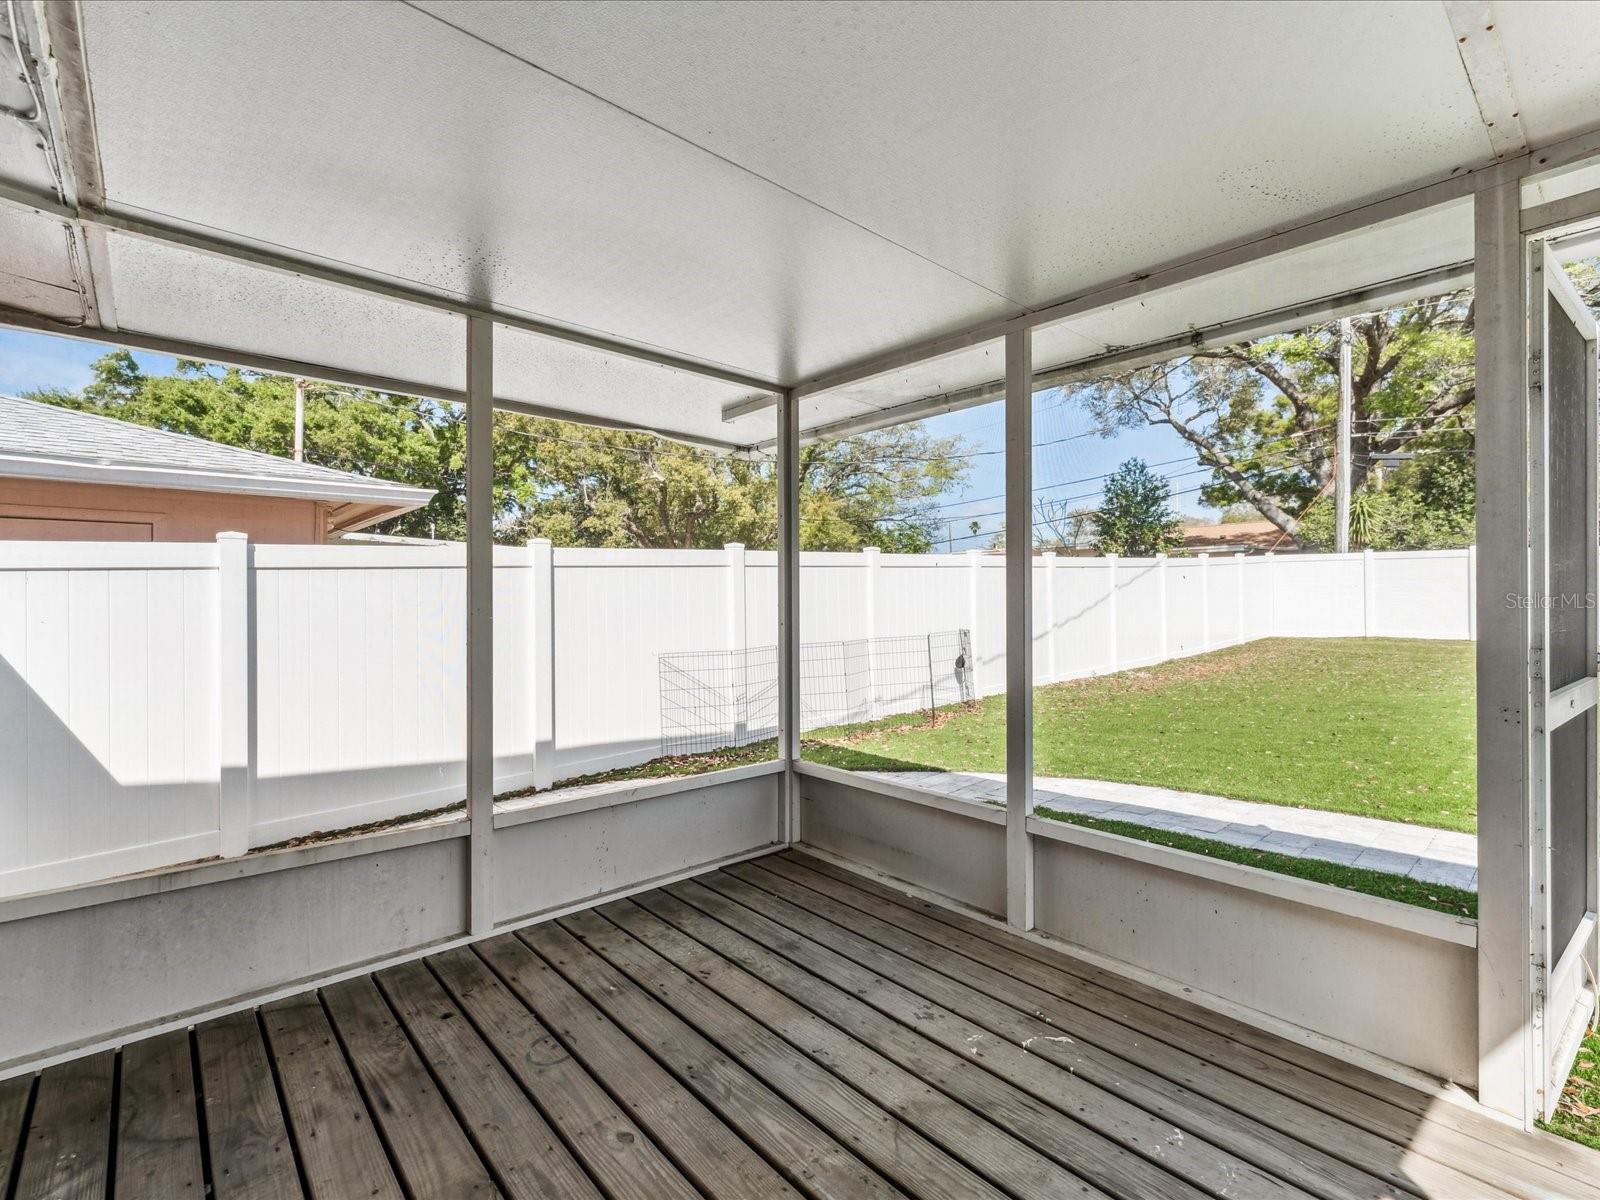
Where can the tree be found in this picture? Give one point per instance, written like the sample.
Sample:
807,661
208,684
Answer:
574,484
1135,515
611,488
1262,414
1060,524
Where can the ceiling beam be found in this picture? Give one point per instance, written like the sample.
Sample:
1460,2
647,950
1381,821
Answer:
1483,58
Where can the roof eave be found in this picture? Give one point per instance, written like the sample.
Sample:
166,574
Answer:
130,475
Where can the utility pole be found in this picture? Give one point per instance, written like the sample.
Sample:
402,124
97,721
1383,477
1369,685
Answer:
1341,543
299,420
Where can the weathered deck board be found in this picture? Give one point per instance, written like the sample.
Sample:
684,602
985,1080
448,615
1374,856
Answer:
814,1161
67,1155
1357,1099
886,1143
782,1027
158,1123
719,1161
1188,1091
251,1156
525,1153
613,1148
15,1093
434,1157
338,1147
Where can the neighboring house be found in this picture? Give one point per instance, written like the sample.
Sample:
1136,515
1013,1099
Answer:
74,476
1234,537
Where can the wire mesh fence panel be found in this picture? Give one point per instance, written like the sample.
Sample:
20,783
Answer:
715,699
712,699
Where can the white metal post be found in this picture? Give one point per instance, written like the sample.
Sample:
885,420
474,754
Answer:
1111,609
869,563
788,448
734,592
236,692
299,420
1051,673
480,623
1506,1067
542,662
1341,535
1019,627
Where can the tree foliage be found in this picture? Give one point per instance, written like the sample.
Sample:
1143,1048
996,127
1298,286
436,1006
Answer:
574,484
1135,516
1263,416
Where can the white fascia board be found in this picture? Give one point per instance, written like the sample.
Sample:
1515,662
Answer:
127,475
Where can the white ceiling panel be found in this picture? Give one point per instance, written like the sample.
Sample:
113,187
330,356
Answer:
1398,249
374,135
168,292
777,188
560,375
1034,148
1551,48
1410,245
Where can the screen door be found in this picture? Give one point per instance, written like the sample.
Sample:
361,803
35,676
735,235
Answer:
1563,636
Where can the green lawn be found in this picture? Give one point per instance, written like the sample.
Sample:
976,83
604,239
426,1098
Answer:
1374,726
1578,1116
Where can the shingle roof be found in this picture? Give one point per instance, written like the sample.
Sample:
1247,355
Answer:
46,441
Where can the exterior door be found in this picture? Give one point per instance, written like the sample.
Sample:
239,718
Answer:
1564,547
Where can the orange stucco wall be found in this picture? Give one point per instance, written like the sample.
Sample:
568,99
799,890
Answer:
93,512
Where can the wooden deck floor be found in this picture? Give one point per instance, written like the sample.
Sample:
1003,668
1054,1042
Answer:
779,1028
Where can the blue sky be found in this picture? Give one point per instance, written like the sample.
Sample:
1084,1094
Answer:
1069,459
39,360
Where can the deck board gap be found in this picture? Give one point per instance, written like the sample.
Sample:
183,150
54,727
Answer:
13,1172
283,1105
198,1083
571,1052
786,1170
365,1096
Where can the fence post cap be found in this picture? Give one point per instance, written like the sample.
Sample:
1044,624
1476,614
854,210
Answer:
233,536
539,541
871,550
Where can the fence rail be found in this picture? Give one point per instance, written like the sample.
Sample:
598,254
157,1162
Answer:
164,702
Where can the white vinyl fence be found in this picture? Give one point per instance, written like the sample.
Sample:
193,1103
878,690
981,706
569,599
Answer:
166,702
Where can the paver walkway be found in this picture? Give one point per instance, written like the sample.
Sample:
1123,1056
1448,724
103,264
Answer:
1429,855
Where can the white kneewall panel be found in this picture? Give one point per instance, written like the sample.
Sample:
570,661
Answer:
1406,996
949,853
543,865
82,974
1360,974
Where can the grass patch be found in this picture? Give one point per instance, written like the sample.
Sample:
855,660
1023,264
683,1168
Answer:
1578,1115
1376,727
1455,901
